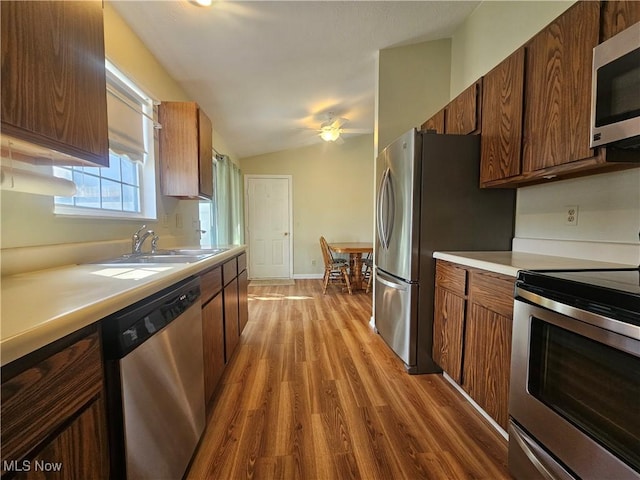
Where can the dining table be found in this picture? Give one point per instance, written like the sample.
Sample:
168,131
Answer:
355,251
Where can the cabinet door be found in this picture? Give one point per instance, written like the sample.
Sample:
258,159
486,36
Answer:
185,150
502,110
79,451
53,77
463,112
436,122
487,361
558,89
205,155
448,326
617,15
55,403
213,344
231,328
243,301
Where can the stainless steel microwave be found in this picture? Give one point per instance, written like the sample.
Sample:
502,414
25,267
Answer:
615,100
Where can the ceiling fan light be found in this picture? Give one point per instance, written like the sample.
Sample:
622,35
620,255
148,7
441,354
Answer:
330,134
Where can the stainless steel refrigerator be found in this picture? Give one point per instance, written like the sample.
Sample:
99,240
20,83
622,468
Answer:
428,199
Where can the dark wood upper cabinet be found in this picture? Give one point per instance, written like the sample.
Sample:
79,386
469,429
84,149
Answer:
617,16
436,122
463,112
185,150
503,102
558,89
547,104
53,78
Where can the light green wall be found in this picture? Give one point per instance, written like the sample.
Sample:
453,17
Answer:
413,84
332,195
493,31
28,220
609,204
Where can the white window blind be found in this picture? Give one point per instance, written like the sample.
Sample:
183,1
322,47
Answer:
125,110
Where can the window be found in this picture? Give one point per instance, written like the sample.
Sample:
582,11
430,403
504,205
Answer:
125,189
223,215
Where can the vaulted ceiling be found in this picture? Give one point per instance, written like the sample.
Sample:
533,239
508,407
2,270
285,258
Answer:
268,73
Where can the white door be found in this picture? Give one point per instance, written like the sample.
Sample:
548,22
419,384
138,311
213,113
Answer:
268,234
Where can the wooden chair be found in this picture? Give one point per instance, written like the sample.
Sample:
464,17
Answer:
367,272
335,270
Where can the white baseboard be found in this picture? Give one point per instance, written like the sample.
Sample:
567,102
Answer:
307,276
493,423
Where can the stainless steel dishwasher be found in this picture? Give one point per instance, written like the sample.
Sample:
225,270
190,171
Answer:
155,383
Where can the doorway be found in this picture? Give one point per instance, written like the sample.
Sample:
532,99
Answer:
268,232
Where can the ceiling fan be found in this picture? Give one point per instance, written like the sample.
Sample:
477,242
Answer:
332,129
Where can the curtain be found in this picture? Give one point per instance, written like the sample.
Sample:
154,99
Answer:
228,208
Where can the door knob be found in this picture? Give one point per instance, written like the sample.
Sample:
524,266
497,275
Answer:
286,233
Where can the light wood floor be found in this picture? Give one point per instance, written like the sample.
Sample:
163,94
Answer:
313,393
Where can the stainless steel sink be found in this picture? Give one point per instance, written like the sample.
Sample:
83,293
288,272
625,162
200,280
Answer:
195,251
183,255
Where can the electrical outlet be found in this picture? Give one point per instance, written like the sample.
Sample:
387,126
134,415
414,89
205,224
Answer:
178,220
313,263
165,220
571,215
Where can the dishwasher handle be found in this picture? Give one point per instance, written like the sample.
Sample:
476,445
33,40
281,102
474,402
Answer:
123,331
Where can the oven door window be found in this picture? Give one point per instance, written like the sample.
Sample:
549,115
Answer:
592,385
618,83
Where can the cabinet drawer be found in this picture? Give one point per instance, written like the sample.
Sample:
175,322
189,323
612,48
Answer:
230,270
451,277
492,291
242,262
40,399
210,283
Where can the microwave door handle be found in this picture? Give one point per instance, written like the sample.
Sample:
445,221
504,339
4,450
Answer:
541,460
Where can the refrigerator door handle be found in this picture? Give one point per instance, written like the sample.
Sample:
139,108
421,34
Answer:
396,286
386,209
388,229
380,207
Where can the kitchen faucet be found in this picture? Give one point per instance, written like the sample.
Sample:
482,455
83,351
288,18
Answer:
137,240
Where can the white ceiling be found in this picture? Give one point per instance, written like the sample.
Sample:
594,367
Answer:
267,73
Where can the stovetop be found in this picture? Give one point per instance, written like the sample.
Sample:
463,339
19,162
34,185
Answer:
613,292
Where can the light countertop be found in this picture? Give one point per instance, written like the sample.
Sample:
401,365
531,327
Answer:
43,306
508,263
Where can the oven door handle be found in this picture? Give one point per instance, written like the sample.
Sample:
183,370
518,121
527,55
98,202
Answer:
597,320
541,460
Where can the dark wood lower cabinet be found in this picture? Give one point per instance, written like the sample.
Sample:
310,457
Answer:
213,344
448,328
231,325
472,333
487,357
224,314
243,300
71,453
53,413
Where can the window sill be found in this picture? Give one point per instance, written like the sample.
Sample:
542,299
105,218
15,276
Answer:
91,213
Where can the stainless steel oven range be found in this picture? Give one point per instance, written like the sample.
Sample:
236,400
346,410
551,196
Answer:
575,375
